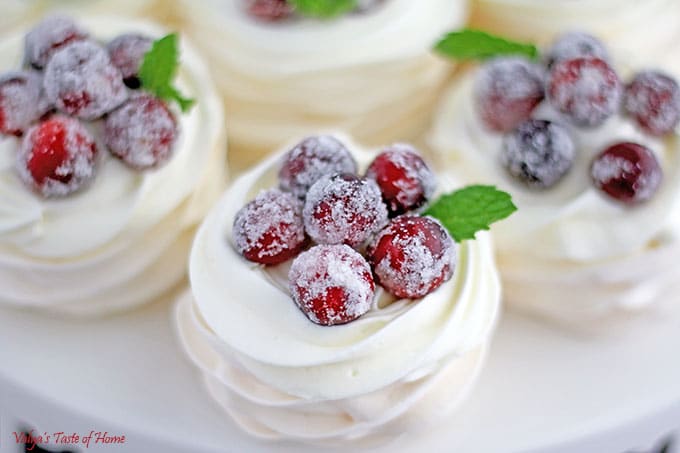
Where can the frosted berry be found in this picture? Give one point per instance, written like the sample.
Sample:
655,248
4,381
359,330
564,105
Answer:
627,172
22,101
81,81
506,92
270,10
269,229
343,209
653,100
127,53
57,157
412,256
331,284
364,6
586,90
572,45
311,159
538,153
48,36
404,179
142,132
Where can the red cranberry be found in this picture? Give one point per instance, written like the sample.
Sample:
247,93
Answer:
586,90
572,45
627,172
21,101
269,229
653,100
142,132
405,181
507,90
127,53
270,10
81,81
48,36
538,153
311,159
57,157
343,209
412,256
331,284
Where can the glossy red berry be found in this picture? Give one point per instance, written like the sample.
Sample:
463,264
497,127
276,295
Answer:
343,209
57,157
269,229
127,53
412,256
270,10
627,172
50,35
142,132
404,179
21,101
331,284
586,90
653,100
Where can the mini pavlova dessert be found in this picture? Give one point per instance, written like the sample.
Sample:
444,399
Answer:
324,307
105,168
589,149
286,67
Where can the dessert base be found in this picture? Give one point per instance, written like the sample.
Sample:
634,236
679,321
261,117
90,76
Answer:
544,389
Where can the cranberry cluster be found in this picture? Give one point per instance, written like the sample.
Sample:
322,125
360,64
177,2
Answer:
70,81
276,10
364,230
579,82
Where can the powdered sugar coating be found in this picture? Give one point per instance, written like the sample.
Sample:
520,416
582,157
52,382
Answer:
48,36
142,132
269,229
653,100
311,159
331,284
412,256
269,10
538,153
404,179
586,90
343,209
22,101
127,53
364,6
575,44
80,80
507,90
57,157
628,172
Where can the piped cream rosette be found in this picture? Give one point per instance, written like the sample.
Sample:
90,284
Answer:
280,376
122,240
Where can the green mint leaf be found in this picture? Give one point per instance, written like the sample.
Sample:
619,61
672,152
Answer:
323,9
471,209
158,70
470,44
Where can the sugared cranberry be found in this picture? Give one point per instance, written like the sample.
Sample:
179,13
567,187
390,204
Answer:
57,157
538,153
412,256
586,90
331,284
21,101
81,81
627,172
364,6
142,132
311,159
653,100
576,44
270,10
343,209
127,53
48,36
269,229
507,90
405,181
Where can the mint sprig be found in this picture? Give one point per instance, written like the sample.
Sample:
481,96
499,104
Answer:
468,44
471,209
323,9
158,71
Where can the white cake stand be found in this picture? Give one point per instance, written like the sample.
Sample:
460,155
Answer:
545,388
